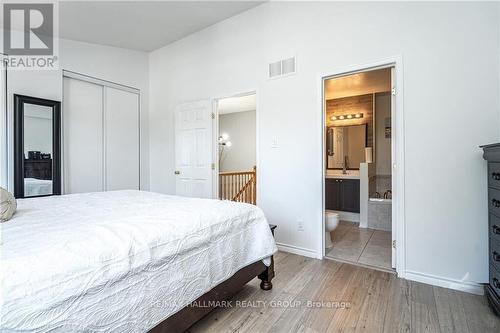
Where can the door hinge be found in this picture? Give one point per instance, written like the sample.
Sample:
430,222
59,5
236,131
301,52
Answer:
393,91
213,115
213,166
394,244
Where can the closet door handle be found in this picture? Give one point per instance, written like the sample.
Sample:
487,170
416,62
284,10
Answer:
495,175
496,230
495,203
496,257
496,284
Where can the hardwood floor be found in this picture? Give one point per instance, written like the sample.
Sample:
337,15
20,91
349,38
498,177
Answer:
376,302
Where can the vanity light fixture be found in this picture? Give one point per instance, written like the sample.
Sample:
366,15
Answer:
348,116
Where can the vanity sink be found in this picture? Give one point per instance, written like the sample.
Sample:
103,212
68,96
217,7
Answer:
350,174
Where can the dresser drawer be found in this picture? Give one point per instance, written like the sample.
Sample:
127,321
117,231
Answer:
494,201
495,279
494,230
494,175
494,249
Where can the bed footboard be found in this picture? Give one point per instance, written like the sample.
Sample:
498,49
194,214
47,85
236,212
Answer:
266,276
189,315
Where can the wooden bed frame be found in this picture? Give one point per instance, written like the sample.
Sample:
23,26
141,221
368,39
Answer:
189,315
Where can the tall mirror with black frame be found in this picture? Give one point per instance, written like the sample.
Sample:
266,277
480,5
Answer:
37,148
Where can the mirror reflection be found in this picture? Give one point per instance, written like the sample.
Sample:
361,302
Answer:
37,163
37,150
346,146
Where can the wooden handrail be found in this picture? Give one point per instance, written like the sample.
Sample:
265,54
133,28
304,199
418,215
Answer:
229,173
238,186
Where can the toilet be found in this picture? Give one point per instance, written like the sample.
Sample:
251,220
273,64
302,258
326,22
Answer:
331,222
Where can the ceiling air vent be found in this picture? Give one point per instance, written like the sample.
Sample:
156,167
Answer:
282,67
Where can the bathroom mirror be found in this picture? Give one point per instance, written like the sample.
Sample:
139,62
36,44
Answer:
346,145
37,166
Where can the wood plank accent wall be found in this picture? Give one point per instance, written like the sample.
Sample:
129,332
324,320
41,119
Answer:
349,105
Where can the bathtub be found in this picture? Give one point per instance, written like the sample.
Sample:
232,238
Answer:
380,214
380,200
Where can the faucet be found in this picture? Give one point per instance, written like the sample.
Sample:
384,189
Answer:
344,167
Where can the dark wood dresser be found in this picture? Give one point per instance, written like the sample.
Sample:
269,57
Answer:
492,155
39,169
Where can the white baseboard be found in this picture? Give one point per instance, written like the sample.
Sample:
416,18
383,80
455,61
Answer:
297,250
468,287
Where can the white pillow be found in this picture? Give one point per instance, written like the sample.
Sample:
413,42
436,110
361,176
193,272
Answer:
8,205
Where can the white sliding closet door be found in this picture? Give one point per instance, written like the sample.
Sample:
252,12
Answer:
121,139
83,136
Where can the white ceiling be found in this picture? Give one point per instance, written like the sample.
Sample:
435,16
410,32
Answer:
142,25
237,104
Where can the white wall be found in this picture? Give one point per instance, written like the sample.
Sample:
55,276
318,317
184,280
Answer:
109,63
38,129
240,126
450,61
383,144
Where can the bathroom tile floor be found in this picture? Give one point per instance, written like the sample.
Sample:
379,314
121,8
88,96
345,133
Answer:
363,246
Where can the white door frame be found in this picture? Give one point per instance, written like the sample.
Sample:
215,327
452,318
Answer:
215,140
397,149
4,126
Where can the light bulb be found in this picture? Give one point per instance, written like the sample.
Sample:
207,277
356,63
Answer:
225,136
333,118
341,117
229,144
349,116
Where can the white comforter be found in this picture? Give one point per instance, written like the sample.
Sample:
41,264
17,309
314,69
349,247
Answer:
34,187
120,261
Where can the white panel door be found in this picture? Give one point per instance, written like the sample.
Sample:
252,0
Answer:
3,126
121,140
193,149
83,136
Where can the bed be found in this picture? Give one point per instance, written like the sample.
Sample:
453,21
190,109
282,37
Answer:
126,261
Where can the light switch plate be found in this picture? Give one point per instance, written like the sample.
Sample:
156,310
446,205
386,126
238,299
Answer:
274,143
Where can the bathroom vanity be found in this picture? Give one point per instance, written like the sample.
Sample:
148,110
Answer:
492,290
342,194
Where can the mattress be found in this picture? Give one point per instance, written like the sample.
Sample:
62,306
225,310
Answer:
120,261
34,187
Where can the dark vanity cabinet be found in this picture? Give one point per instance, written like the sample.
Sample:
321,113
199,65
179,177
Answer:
492,289
342,194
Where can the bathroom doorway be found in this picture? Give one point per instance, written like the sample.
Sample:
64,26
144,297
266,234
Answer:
359,115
